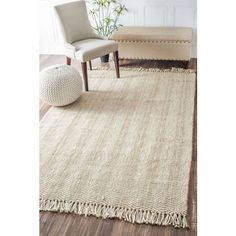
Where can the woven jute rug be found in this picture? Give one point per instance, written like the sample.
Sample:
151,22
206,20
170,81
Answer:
123,149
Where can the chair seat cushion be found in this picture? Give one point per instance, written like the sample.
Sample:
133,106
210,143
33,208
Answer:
89,49
153,33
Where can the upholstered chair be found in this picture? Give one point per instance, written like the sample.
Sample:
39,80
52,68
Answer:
81,42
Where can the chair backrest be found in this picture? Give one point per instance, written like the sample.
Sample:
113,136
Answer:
73,18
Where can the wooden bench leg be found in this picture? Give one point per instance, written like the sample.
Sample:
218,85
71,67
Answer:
187,64
85,75
116,61
90,65
68,61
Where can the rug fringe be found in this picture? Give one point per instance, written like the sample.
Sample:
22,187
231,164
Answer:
173,69
105,211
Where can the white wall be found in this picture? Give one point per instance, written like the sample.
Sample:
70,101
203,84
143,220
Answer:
141,13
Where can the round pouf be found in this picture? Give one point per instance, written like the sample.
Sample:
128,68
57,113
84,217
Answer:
60,85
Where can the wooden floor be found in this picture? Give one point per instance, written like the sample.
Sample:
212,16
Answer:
58,224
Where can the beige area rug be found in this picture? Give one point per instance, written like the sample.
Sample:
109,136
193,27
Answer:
123,150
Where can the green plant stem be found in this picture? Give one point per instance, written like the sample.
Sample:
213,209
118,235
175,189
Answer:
95,19
99,17
104,21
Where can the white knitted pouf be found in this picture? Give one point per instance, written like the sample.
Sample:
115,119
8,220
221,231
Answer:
60,85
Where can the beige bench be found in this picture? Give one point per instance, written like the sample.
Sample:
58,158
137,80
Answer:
156,43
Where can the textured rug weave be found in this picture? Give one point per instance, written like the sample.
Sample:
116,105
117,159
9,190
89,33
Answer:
123,150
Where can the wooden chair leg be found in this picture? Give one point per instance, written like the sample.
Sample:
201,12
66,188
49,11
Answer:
85,75
116,61
90,65
68,61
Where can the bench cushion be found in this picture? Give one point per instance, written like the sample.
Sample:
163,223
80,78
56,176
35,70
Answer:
158,43
153,33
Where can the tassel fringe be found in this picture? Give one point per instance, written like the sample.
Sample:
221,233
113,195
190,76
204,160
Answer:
105,211
173,69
